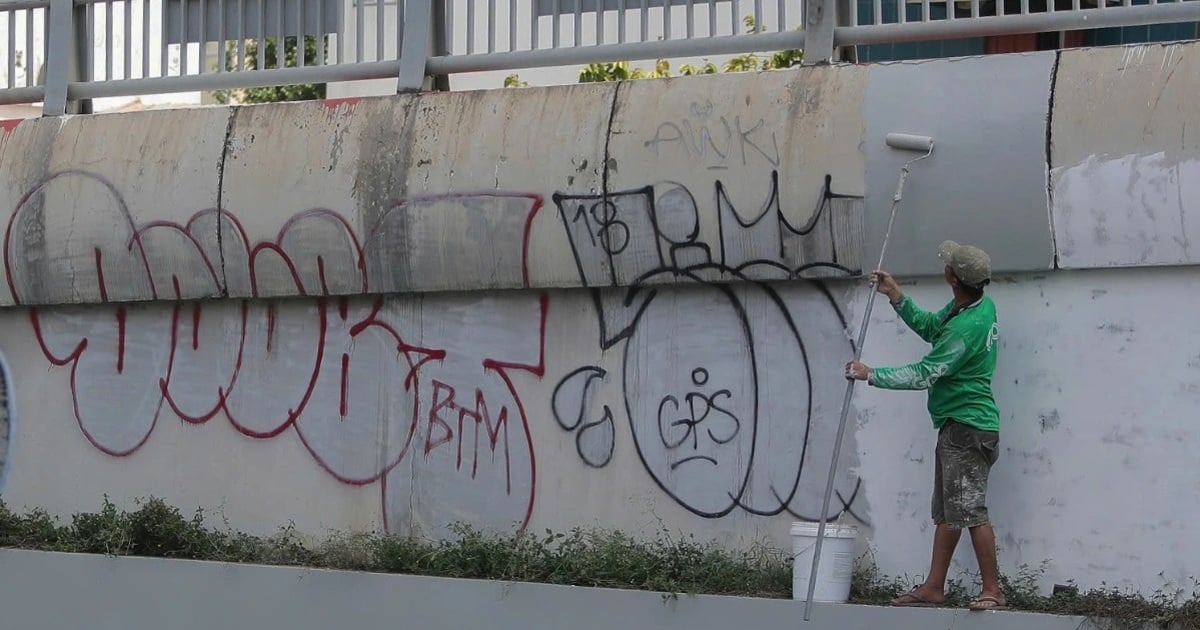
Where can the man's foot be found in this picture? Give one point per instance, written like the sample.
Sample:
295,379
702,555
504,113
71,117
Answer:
988,602
918,599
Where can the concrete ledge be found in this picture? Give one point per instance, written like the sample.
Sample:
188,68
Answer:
50,591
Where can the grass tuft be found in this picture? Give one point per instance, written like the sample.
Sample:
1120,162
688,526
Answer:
579,557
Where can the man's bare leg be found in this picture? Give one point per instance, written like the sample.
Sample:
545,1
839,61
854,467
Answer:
945,539
983,539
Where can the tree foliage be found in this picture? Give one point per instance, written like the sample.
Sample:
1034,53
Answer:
621,70
273,94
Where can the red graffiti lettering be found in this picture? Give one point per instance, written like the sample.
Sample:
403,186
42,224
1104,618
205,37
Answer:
349,384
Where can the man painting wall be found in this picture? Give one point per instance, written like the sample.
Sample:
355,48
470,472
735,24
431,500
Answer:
957,374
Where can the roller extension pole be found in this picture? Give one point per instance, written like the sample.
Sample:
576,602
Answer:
904,142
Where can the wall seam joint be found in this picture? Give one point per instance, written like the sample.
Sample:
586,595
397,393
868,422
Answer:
225,144
1049,160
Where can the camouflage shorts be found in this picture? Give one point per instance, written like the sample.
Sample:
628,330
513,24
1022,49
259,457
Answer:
963,459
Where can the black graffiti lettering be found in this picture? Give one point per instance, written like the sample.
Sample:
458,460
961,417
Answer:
581,214
662,426
613,233
740,452
737,424
595,440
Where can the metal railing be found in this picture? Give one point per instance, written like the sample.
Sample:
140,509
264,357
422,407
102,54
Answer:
65,52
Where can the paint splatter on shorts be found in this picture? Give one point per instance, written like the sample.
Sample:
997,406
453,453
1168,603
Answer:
964,457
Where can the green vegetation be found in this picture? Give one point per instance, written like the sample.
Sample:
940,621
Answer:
580,557
621,70
302,92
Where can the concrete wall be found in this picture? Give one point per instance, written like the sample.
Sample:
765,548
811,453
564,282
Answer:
625,305
61,591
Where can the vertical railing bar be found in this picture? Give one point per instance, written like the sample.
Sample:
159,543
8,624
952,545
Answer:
666,11
491,26
280,35
781,16
925,10
691,19
712,18
240,49
448,6
222,33
381,22
301,40
735,21
359,29
950,8
322,39
45,45
127,49
341,29
146,48
902,10
555,24
578,24
470,26
162,40
30,53
644,22
1000,8
622,16
260,62
88,71
203,34
600,15
512,24
758,25
534,20
183,45
11,80
241,35
1024,7
877,7
108,40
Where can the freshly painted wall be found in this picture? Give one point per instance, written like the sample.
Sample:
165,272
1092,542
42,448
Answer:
625,305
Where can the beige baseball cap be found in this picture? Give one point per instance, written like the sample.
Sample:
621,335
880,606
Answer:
971,264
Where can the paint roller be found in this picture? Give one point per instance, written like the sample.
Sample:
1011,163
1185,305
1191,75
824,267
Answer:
901,142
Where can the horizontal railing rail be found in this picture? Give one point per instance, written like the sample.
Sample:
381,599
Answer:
64,53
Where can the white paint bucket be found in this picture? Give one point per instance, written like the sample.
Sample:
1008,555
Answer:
837,561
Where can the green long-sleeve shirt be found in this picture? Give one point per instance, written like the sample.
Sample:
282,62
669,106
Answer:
958,371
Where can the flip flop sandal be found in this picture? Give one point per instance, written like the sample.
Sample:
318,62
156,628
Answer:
977,604
916,601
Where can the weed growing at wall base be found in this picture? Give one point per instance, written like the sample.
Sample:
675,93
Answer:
579,557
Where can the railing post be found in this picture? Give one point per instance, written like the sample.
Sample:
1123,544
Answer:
820,17
414,48
68,57
60,49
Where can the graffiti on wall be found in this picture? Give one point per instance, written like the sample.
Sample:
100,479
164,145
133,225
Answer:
366,383
715,141
418,398
717,383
